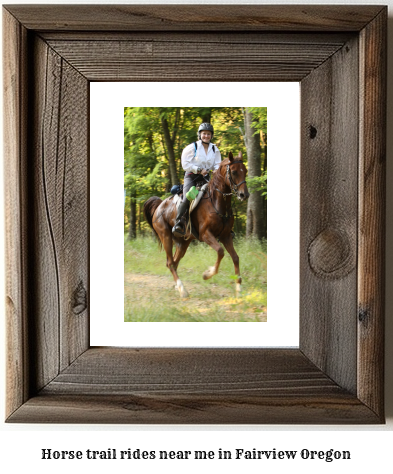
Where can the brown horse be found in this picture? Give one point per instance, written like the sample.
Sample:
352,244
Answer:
212,219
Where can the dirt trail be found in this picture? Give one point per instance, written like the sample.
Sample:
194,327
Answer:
142,289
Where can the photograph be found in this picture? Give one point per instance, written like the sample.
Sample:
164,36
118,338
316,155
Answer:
195,191
64,234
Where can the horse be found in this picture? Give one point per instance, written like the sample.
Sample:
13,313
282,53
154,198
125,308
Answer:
212,220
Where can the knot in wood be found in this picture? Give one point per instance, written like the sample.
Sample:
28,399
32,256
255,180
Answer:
313,132
363,316
331,255
80,299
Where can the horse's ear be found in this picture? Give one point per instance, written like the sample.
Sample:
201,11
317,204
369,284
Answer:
230,156
240,155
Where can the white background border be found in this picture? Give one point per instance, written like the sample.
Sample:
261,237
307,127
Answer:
107,326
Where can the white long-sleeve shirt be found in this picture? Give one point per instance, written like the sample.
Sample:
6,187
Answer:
209,161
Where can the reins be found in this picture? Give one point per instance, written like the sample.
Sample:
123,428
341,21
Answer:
233,186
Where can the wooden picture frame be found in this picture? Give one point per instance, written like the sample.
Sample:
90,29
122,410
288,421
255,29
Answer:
338,54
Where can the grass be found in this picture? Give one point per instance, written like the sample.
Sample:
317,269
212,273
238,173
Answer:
149,286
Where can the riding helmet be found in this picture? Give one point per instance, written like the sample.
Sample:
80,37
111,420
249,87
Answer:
207,127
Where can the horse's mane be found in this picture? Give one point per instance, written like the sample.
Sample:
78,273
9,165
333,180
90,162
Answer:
218,181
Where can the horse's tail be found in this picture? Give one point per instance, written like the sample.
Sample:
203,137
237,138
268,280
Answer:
148,210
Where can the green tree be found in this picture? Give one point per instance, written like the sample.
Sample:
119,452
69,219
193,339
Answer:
154,139
255,124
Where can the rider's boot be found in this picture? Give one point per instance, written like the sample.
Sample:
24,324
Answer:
179,229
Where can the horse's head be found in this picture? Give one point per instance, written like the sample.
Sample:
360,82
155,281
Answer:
236,176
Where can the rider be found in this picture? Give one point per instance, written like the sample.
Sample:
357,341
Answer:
197,160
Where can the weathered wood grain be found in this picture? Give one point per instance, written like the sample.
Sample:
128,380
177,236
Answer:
329,173
16,232
183,17
191,409
60,177
186,60
52,374
193,386
200,371
12,38
189,36
371,260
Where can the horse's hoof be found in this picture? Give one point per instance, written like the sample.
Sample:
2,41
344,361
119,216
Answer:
183,292
208,273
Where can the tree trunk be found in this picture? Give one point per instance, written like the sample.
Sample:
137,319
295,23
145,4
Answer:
264,168
255,206
170,150
176,126
207,117
133,217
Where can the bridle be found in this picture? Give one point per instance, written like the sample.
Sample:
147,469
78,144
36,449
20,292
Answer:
234,186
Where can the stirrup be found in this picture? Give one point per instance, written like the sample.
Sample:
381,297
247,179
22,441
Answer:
178,229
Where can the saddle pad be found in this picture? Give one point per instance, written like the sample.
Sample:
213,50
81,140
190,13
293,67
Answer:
195,202
177,199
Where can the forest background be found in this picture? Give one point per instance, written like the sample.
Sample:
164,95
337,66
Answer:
154,138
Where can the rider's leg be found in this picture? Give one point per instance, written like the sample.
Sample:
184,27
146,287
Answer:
179,226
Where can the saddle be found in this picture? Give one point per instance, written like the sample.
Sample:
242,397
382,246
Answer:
177,199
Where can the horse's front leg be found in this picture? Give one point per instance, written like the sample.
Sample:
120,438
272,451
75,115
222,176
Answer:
214,244
228,244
